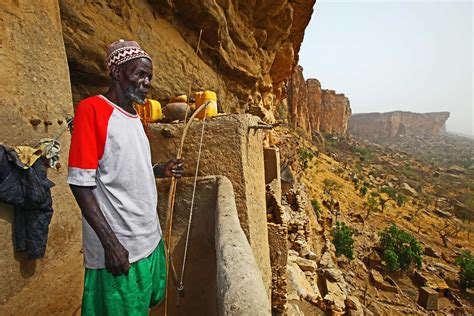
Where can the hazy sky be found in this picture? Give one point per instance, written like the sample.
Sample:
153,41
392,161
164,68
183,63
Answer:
395,55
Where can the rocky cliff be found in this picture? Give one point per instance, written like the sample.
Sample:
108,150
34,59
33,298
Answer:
380,126
312,109
247,51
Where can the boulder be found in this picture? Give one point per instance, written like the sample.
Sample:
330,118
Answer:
354,307
305,264
377,278
335,296
298,286
444,214
293,310
407,189
334,274
375,309
431,252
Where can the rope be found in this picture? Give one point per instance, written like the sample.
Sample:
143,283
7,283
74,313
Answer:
181,287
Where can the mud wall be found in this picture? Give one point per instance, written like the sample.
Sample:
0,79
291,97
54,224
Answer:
200,273
221,275
34,80
231,149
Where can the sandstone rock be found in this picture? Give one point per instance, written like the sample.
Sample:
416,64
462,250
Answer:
245,50
447,258
375,309
305,264
298,285
293,310
335,295
313,109
377,278
431,252
456,170
353,304
443,213
304,251
311,256
326,261
334,274
367,312
374,126
407,189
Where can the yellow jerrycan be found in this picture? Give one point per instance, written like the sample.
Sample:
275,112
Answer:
150,112
206,96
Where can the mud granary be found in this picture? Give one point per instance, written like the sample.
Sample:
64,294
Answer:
52,54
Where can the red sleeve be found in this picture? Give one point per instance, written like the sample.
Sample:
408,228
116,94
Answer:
88,139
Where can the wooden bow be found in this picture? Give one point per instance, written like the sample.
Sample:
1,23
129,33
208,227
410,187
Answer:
171,199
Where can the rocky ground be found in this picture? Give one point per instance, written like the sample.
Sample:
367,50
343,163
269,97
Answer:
433,188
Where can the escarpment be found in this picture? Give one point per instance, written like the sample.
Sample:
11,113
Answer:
312,109
386,126
246,53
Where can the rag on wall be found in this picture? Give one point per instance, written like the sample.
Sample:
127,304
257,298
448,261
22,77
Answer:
29,190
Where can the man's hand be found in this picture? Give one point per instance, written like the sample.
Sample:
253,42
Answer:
116,256
173,167
116,259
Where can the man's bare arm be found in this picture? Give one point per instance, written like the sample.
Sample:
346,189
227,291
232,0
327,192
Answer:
116,256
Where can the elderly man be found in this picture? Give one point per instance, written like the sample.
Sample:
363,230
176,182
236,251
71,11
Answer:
113,181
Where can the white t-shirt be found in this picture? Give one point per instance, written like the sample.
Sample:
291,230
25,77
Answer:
110,151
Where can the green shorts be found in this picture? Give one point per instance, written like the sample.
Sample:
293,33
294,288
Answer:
131,294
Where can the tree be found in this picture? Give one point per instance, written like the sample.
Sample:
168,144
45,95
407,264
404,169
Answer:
466,276
370,205
343,240
400,250
451,228
466,263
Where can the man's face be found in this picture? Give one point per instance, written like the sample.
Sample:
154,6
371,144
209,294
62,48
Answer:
136,80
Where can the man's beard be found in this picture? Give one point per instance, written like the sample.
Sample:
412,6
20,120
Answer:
132,96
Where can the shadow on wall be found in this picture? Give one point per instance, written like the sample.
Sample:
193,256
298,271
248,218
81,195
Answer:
221,275
27,267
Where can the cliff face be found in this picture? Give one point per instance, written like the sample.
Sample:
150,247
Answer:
34,82
312,109
246,54
377,126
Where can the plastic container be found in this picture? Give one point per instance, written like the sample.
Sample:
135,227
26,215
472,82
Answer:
150,112
206,96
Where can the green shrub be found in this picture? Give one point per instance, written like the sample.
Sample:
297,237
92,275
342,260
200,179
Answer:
343,240
400,250
363,190
398,197
305,157
466,263
364,152
316,207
